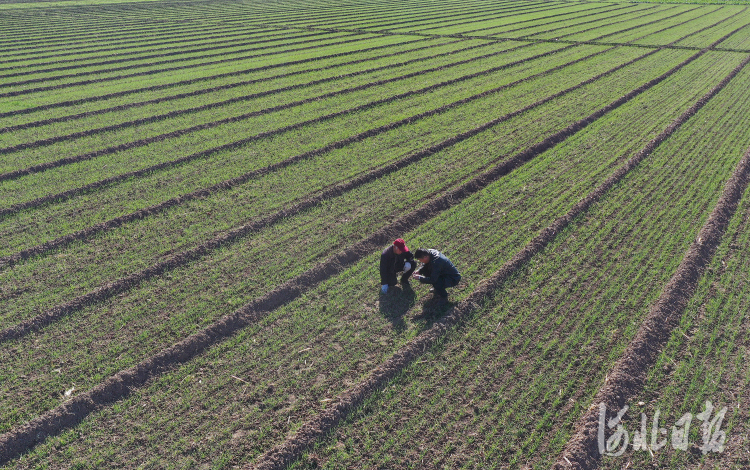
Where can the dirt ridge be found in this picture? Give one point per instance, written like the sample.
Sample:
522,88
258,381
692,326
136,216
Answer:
249,97
24,437
171,61
149,72
229,86
146,43
35,203
292,448
118,94
593,42
140,57
122,284
627,376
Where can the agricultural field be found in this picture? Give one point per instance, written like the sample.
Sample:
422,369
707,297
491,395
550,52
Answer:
194,196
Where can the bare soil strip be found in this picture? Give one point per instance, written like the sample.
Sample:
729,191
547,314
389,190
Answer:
121,60
230,20
23,438
115,287
144,41
214,77
594,42
154,72
156,56
182,59
586,13
628,375
600,25
35,203
172,114
289,451
229,86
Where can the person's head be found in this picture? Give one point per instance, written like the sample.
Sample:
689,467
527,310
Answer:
422,255
399,246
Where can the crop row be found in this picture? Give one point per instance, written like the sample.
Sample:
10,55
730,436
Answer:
534,19
88,98
117,31
117,26
571,107
223,137
504,387
589,17
265,391
244,93
226,216
208,43
77,148
152,67
422,50
241,30
704,360
201,193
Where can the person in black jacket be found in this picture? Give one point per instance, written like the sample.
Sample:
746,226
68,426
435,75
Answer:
437,270
395,259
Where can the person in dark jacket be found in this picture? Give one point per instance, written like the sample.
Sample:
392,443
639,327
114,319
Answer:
437,270
395,259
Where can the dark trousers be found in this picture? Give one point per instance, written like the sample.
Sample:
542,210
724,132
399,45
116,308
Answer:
440,283
407,274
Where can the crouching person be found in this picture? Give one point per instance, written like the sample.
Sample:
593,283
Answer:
396,259
436,270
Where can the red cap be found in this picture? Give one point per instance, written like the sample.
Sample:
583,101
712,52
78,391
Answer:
401,244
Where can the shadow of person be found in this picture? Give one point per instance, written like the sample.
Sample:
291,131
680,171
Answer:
433,309
394,305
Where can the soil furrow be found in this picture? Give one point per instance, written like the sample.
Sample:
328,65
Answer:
148,56
118,386
628,375
482,17
229,86
143,41
239,143
172,44
160,117
154,72
171,61
130,33
209,78
151,56
139,143
592,42
597,20
536,25
115,287
289,451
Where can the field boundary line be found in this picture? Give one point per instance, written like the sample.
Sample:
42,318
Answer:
292,448
72,412
122,284
628,375
65,195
